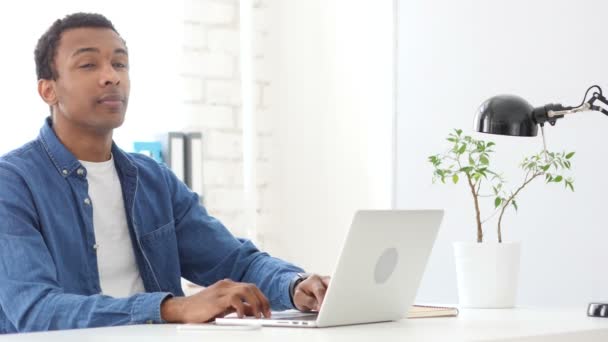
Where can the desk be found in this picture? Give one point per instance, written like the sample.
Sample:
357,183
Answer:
521,324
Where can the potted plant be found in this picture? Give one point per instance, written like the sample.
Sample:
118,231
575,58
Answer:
487,273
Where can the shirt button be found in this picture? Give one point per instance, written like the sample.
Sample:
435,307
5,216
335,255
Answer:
80,172
64,171
87,201
95,246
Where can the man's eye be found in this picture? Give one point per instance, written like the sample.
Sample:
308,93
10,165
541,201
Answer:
87,66
120,65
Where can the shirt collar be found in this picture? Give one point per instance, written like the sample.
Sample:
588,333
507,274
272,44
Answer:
66,163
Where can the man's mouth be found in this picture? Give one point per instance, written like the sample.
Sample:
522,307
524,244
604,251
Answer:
112,100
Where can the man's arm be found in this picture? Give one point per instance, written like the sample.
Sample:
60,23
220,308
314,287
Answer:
210,253
30,294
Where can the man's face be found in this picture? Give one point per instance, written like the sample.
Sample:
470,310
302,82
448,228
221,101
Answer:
92,87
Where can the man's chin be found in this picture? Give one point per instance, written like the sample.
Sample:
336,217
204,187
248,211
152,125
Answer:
109,122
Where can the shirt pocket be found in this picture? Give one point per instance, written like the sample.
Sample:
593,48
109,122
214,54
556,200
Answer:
162,252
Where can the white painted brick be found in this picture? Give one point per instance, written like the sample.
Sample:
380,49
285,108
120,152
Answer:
260,19
223,173
264,173
258,95
267,95
260,44
233,221
225,200
224,40
266,220
265,145
219,65
266,199
192,62
195,35
223,92
225,145
238,119
206,116
207,64
209,12
264,122
262,70
259,3
193,89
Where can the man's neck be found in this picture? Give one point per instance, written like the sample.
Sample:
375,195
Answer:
85,144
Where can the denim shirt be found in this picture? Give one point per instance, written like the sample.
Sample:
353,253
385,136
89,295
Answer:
48,266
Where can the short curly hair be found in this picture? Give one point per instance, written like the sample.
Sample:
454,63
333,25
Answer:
44,54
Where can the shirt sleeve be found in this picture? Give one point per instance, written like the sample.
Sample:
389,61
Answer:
209,252
30,294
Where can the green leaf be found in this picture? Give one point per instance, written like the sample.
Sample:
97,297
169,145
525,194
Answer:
484,160
458,131
497,202
455,179
570,185
462,149
514,205
569,155
471,161
466,169
545,168
558,179
452,139
490,144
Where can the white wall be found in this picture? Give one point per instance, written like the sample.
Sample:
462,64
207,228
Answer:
333,110
452,56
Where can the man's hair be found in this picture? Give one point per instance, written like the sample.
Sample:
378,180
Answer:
47,44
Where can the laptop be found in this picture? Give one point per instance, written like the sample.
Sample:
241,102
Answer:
377,274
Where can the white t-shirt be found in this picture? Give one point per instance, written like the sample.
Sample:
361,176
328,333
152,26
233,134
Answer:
118,271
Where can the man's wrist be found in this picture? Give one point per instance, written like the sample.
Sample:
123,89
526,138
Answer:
300,277
171,309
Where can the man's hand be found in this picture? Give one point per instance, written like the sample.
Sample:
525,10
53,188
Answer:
217,300
309,294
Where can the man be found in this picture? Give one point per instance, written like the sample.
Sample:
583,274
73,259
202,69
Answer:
93,236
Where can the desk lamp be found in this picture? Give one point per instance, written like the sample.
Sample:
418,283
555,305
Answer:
512,115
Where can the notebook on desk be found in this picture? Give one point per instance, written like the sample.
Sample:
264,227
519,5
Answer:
427,311
377,274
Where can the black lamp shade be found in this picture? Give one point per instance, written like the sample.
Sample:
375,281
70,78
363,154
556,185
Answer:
506,115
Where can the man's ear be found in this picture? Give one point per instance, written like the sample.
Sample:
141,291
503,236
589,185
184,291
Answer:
46,90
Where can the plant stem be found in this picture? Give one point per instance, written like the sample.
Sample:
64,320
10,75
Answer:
508,201
477,213
490,217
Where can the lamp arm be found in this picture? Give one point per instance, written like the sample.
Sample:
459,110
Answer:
559,113
552,112
602,99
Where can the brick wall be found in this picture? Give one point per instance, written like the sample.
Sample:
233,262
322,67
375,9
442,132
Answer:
210,72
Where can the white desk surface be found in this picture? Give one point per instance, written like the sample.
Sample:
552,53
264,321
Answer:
520,324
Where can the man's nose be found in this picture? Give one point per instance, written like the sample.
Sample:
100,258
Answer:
109,76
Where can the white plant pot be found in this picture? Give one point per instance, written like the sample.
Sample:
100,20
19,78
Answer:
487,274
